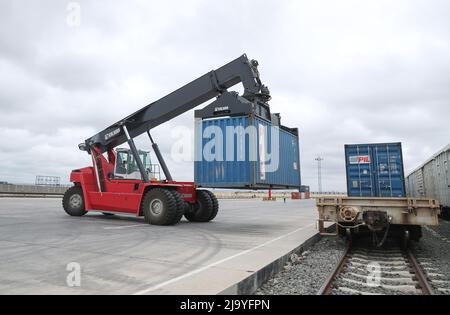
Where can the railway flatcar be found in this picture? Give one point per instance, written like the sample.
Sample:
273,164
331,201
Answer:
377,201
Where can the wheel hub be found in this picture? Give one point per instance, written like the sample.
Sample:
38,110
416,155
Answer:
75,201
156,206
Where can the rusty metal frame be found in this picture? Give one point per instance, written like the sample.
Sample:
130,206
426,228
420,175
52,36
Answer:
323,230
420,275
405,211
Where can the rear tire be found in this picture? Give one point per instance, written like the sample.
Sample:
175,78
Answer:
203,209
73,202
160,207
215,202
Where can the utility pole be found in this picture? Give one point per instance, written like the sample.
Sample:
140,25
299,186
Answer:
319,172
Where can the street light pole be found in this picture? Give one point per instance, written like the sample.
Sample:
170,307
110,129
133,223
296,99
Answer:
319,173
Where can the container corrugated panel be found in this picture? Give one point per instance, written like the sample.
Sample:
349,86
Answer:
237,154
375,170
432,179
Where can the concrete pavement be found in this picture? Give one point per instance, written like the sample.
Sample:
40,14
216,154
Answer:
124,255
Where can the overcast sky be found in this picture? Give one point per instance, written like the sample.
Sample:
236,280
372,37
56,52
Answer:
341,71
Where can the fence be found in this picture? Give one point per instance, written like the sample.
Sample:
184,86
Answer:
6,189
17,190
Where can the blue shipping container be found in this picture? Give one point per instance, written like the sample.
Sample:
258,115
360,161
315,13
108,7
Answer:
245,152
375,170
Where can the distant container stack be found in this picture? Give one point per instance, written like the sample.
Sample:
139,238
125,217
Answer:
300,195
241,147
375,170
432,180
303,193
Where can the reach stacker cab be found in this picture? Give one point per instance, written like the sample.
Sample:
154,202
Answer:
125,181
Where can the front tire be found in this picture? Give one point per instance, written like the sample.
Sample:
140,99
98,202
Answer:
73,202
160,207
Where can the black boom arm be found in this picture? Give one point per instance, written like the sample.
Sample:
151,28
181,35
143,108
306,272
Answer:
182,100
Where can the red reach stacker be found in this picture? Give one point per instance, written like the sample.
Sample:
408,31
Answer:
124,181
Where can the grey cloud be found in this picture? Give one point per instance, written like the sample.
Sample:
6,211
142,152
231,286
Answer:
343,72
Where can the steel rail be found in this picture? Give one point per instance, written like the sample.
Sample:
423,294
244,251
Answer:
420,275
328,285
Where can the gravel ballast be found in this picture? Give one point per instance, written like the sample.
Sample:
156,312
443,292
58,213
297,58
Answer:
306,272
433,253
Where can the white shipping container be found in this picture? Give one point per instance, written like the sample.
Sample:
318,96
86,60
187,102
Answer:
432,179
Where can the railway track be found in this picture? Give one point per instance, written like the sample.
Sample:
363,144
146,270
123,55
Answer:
390,271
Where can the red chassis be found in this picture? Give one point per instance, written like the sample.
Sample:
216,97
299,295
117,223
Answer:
111,195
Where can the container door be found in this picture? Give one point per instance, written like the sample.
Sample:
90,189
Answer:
380,163
365,172
359,168
388,175
397,176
